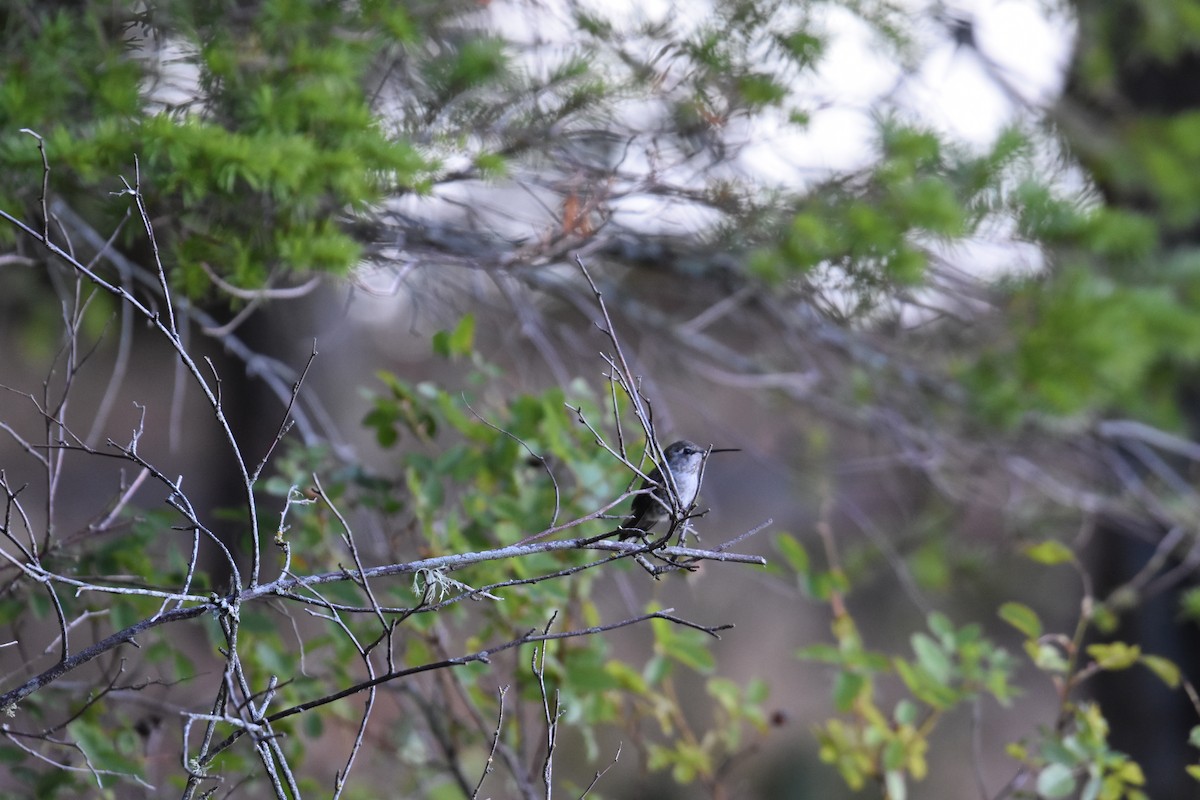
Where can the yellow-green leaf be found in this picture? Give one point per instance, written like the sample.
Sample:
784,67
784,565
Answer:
793,552
1050,552
846,689
1115,656
1164,668
1056,780
1023,618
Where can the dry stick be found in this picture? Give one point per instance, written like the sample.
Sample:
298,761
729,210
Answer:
620,456
364,652
480,656
622,550
285,423
459,560
10,699
120,366
127,493
552,717
541,459
612,390
169,330
267,747
30,449
286,293
11,501
639,406
54,429
253,721
601,773
14,738
643,409
180,502
360,735
600,513
278,377
156,321
139,200
433,713
629,384
61,616
491,759
472,593
45,181
206,741
368,704
176,500
179,388
348,538
454,682
285,587
190,573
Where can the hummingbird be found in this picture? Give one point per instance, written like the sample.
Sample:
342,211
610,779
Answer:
685,461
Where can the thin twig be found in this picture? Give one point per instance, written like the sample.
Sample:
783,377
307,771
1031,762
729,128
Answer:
285,422
491,759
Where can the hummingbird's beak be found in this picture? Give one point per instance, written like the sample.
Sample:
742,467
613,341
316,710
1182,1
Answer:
725,450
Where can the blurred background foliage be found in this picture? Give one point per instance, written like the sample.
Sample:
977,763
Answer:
964,370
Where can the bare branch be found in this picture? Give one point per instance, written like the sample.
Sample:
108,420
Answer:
480,656
487,768
285,423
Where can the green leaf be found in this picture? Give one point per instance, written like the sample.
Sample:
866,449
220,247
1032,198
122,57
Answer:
627,678
761,90
1115,656
924,686
940,624
1164,668
757,691
1023,618
906,712
1046,656
458,342
726,692
1056,780
793,552
1189,604
846,689
824,653
687,646
101,747
124,615
932,657
492,165
1050,552
1130,772
693,653
656,670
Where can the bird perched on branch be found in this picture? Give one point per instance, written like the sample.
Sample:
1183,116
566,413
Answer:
685,462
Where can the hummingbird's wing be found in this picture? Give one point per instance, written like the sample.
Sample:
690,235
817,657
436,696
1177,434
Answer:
646,509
